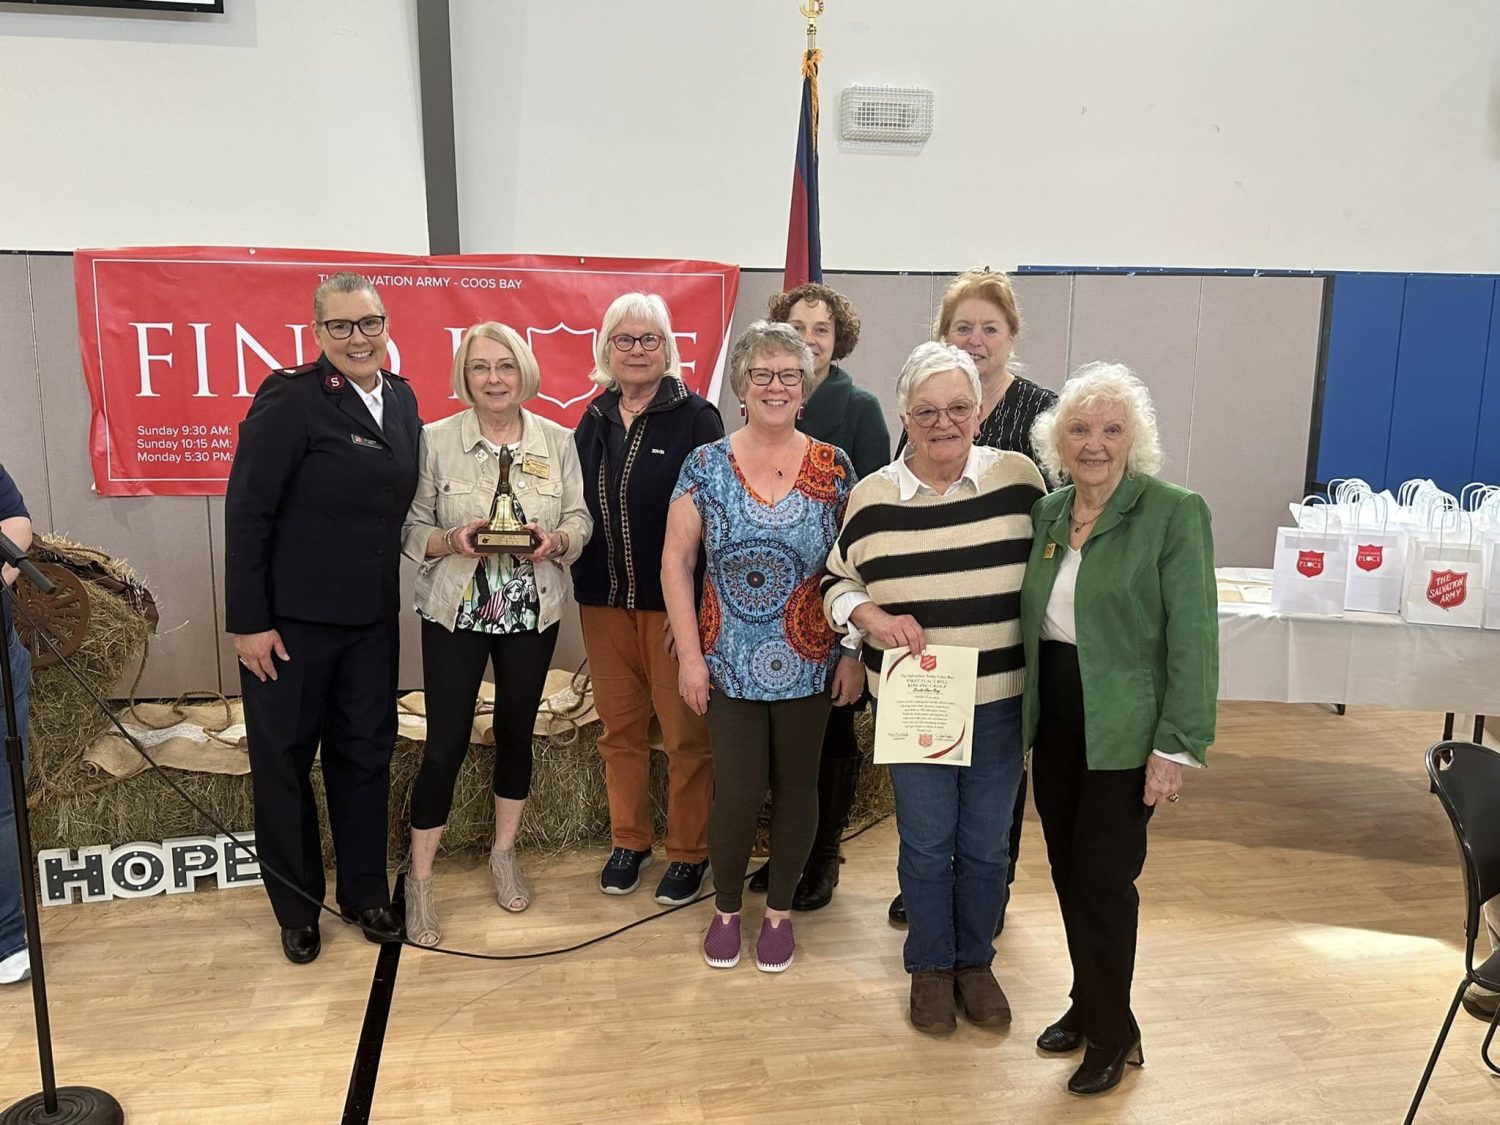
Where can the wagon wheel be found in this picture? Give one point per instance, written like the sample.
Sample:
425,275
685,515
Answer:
62,615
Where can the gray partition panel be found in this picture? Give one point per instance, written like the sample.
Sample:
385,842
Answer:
1257,364
1046,306
1231,362
22,437
164,538
1150,324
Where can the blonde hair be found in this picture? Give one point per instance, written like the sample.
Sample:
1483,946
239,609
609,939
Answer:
987,285
505,335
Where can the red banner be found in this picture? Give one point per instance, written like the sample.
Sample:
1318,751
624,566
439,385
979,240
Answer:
176,339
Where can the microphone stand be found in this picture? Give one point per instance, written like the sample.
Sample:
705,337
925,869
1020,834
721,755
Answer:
70,1105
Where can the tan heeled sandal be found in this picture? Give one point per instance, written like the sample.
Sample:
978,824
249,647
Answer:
422,926
510,887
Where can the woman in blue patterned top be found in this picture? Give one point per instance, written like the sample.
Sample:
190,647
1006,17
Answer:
757,657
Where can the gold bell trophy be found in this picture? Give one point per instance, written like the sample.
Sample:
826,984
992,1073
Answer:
505,534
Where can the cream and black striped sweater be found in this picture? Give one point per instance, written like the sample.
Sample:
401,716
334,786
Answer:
954,562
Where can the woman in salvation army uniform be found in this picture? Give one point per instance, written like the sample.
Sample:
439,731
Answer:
325,469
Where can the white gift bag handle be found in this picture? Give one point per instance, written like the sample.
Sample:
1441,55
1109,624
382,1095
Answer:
1473,494
1449,511
1343,490
1382,505
1317,503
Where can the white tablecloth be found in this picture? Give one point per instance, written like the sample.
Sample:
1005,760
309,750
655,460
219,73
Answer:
1369,659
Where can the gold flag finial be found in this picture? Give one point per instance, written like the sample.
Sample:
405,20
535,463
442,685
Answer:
812,9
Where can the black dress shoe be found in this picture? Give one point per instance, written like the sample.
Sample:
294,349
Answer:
380,924
897,911
1101,1070
1063,1037
301,944
760,882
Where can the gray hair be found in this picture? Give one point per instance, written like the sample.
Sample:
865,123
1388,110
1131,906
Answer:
761,337
343,282
1100,384
934,358
645,307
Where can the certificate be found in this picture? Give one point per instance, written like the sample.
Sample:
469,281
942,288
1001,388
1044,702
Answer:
925,709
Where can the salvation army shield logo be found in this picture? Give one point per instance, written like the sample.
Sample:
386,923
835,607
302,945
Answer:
1369,556
928,661
1310,563
1447,589
924,740
566,358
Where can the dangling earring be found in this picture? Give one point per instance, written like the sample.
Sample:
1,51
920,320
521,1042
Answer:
743,412
801,410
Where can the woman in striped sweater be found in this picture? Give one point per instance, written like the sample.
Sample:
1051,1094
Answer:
932,550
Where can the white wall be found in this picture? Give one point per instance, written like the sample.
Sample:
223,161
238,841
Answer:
1327,134
279,123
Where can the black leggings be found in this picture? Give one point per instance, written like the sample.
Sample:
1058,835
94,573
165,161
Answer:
452,667
755,745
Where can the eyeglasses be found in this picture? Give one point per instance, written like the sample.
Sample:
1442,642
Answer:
764,376
343,329
482,368
927,416
624,343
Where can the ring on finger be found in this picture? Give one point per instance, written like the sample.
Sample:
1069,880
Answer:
1173,798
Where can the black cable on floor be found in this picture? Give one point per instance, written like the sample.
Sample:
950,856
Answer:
105,708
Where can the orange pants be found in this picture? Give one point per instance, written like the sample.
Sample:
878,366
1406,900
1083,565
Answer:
633,676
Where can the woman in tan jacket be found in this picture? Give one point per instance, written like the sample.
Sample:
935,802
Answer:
481,608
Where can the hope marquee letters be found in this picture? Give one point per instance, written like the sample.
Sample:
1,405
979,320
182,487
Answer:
100,872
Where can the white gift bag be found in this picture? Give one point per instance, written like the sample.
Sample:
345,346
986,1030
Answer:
1377,559
1310,569
1445,573
1492,581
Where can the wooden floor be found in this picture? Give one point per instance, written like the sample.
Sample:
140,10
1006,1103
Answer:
1301,936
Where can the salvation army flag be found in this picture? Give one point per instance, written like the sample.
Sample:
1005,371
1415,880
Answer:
804,247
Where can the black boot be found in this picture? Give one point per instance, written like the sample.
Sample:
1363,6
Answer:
837,780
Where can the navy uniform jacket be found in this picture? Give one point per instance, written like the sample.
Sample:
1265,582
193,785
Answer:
316,498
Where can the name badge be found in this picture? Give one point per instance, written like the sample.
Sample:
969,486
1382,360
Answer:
368,443
1050,551
536,467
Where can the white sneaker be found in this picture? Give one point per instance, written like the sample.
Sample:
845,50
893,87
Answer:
16,968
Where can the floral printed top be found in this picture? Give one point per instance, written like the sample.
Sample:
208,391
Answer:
761,620
502,596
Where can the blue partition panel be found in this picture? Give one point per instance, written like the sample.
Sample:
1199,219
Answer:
1440,374
1487,455
1360,382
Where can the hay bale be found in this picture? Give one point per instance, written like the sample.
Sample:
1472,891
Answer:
68,798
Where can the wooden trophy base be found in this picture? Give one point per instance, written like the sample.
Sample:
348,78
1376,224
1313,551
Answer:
521,541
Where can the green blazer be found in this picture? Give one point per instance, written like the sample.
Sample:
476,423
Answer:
1147,617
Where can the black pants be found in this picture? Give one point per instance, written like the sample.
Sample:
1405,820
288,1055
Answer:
839,740
756,745
338,690
452,667
1095,826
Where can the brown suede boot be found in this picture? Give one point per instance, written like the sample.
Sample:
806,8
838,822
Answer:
932,1001
980,996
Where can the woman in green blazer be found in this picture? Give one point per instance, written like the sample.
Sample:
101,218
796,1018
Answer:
1119,618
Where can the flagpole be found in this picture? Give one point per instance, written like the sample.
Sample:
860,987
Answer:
812,9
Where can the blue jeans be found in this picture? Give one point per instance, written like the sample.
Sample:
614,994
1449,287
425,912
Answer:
12,921
954,824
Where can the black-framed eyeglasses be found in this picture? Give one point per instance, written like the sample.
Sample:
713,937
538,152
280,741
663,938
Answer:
624,342
764,376
927,416
343,329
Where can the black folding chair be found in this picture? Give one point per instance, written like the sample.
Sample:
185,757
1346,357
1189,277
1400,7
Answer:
1466,779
